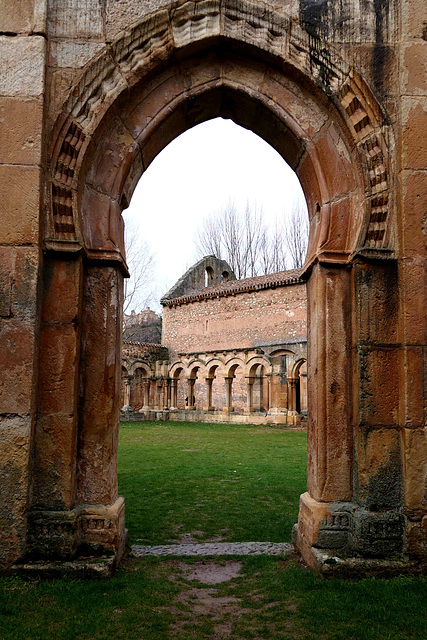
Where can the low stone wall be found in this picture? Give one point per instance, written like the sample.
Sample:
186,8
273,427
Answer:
211,416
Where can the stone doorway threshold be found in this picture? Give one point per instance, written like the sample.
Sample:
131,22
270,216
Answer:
215,549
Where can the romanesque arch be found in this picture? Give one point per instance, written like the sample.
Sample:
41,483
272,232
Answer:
165,76
269,71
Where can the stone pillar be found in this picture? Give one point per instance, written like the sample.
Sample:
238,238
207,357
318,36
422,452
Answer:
165,394
269,391
330,411
303,392
209,382
161,394
190,393
293,415
174,393
157,393
249,394
128,382
101,511
22,170
52,529
146,393
228,394
274,393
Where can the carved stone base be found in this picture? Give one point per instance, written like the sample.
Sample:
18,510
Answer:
294,418
87,530
345,538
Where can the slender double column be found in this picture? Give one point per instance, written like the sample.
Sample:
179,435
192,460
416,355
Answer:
128,384
209,382
146,393
174,393
293,415
228,394
250,394
190,393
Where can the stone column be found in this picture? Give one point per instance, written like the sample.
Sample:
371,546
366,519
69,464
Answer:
249,394
128,382
165,387
174,393
269,392
293,416
330,405
146,392
209,382
157,397
228,394
100,509
190,393
52,523
274,401
161,394
303,387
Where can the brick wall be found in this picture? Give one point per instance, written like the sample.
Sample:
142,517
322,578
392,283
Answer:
245,319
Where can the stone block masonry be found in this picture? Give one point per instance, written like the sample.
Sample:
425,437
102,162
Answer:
90,93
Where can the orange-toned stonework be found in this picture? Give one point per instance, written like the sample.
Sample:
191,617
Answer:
90,92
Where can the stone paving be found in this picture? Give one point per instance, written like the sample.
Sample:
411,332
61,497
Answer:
215,549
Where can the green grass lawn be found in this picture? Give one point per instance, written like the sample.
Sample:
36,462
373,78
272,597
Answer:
229,481
247,481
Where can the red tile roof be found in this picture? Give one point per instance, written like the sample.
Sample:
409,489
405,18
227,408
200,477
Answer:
269,281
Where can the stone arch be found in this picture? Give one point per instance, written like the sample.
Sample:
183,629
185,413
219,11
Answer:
178,67
144,366
140,388
257,361
135,56
195,363
231,366
234,377
214,363
215,373
175,373
296,394
176,369
294,366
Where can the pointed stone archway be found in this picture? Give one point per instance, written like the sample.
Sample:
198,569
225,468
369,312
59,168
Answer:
174,69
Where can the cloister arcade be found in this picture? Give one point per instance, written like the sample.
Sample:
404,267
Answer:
247,383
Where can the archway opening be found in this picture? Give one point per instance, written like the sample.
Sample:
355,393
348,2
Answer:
276,127
225,383
285,107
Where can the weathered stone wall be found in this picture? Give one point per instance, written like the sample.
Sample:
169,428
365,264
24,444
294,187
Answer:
207,272
23,51
412,180
243,320
339,89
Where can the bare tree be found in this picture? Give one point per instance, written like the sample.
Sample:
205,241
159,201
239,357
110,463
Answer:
235,237
273,254
138,291
296,236
250,248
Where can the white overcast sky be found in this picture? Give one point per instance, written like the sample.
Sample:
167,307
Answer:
193,178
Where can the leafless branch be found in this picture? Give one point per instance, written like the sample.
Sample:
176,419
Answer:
140,260
245,242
